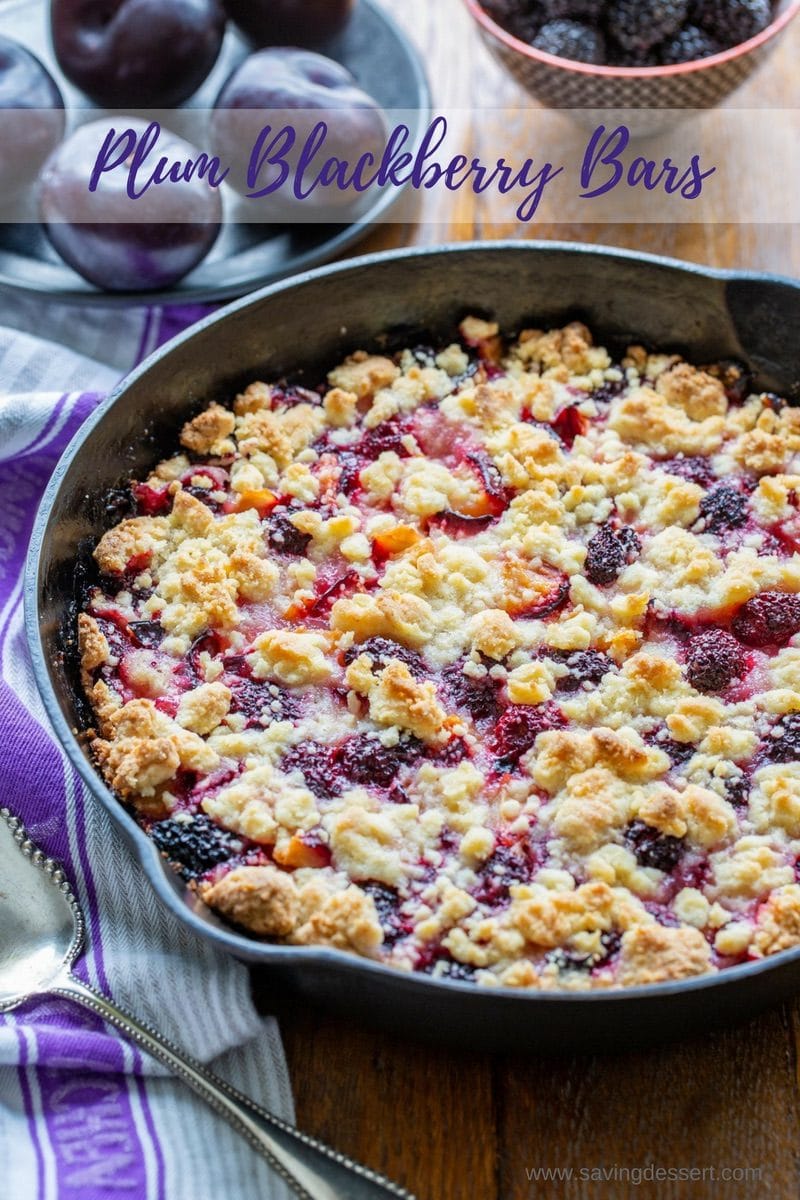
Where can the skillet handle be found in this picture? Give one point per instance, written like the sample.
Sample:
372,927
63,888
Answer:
311,1169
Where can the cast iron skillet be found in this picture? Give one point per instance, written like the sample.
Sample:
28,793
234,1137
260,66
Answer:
301,327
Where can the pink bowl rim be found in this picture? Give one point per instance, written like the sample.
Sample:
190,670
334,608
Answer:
663,72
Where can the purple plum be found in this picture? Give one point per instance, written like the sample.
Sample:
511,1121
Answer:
33,118
118,243
308,23
137,53
283,88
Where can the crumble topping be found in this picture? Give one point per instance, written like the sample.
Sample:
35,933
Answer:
479,660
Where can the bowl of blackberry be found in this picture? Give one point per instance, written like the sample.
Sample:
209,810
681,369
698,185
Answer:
632,53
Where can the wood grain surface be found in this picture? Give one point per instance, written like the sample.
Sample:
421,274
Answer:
465,1126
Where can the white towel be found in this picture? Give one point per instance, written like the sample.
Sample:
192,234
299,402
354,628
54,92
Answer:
82,1114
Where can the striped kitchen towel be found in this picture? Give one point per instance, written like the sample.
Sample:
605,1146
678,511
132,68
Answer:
83,1115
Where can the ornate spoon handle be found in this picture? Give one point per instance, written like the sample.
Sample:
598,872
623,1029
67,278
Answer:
311,1169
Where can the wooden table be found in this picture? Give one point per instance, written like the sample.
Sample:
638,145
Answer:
467,1126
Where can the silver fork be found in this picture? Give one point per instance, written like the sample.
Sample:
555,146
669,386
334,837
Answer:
42,931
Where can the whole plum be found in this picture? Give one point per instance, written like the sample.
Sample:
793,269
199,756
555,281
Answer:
137,53
296,89
33,118
116,242
308,23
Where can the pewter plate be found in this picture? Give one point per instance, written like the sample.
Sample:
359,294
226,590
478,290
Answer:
245,257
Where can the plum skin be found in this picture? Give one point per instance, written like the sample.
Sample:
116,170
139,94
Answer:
280,87
137,53
175,228
33,118
306,23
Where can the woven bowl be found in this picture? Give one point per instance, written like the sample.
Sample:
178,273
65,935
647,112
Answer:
563,83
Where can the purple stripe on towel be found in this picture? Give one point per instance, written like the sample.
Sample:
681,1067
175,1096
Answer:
50,424
175,318
95,1122
30,1112
89,1118
144,339
22,483
92,1132
110,1145
149,1120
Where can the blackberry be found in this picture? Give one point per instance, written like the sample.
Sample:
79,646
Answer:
584,666
609,551
194,846
688,45
653,849
260,701
571,39
590,11
611,943
457,971
573,960
286,538
713,659
663,915
439,963
386,436
454,752
695,469
609,390
387,904
479,696
785,747
290,395
523,18
641,24
118,503
569,960
629,539
349,471
769,619
506,866
737,791
732,21
364,759
518,729
205,496
677,752
317,764
382,651
724,507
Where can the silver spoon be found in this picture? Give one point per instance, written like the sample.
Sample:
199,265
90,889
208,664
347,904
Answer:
42,932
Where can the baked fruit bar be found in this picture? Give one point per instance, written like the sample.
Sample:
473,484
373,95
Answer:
479,661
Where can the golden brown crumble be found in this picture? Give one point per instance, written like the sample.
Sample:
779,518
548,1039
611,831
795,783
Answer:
481,661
